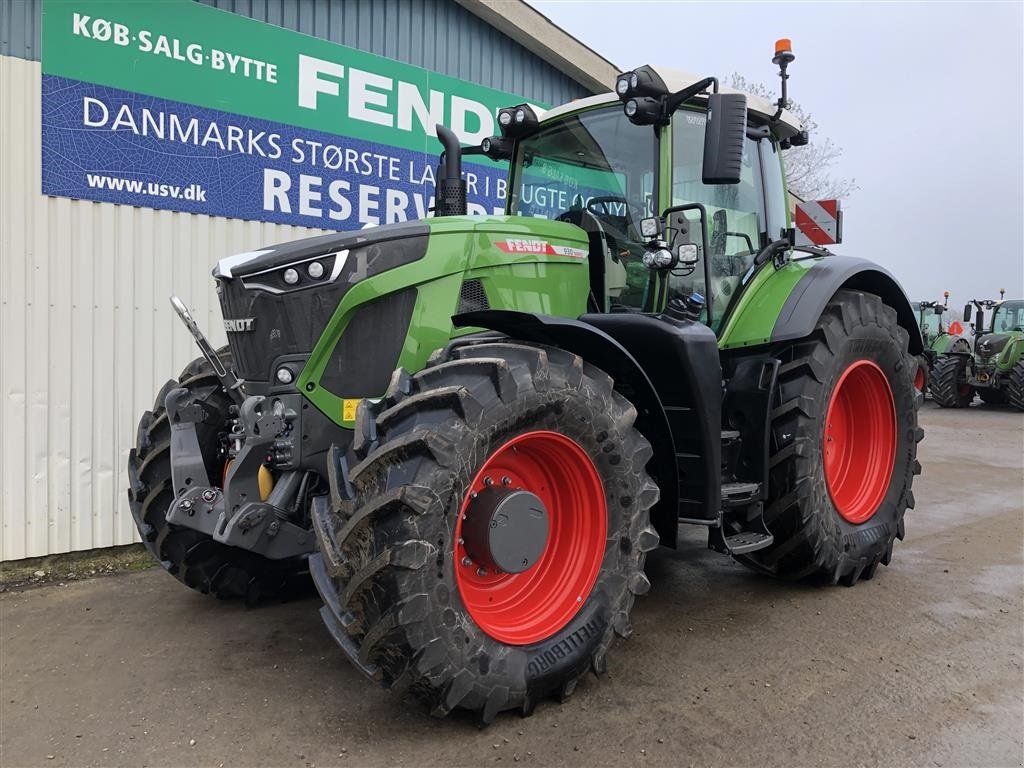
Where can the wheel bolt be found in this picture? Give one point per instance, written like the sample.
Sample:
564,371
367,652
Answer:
209,494
488,481
462,542
467,562
186,504
481,571
506,480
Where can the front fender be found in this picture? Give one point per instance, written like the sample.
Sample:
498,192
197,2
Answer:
1012,353
602,350
789,300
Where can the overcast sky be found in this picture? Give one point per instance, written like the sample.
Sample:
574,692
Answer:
926,100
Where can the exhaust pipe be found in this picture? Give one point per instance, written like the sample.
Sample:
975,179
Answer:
450,197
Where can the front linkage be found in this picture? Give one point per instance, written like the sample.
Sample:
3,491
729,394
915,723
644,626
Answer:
241,514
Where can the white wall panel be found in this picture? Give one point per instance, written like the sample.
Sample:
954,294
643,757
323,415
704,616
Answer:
87,335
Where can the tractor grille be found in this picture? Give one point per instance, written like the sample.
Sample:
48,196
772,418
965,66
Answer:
282,324
367,353
472,297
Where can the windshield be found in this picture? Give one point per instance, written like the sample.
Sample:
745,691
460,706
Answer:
595,170
1009,316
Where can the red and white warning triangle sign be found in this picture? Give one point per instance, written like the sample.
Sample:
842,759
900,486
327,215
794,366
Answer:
818,222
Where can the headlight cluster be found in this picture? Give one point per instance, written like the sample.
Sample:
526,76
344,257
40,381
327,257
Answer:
513,122
517,121
642,93
314,269
297,275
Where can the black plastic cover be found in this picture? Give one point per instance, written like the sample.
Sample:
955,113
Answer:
723,138
367,352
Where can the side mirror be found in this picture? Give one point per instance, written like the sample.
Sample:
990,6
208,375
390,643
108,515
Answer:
723,138
938,309
967,313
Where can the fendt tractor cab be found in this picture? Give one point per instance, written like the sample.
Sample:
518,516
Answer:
939,338
994,368
471,430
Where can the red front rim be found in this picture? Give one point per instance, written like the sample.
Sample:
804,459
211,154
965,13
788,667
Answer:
860,441
919,379
524,608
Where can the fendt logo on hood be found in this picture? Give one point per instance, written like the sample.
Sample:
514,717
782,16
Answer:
540,247
239,325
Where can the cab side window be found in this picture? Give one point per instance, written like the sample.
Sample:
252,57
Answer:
735,213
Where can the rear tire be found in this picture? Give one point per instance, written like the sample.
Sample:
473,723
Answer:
836,505
388,567
1015,386
949,385
192,557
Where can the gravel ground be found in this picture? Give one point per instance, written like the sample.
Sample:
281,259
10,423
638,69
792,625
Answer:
920,667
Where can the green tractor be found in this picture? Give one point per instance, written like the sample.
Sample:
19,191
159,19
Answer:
939,338
471,430
994,369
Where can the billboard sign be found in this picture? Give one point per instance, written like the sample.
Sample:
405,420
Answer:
180,106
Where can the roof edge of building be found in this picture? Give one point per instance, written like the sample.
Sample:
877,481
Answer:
542,37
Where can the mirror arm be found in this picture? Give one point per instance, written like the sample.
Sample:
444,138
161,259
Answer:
756,134
675,100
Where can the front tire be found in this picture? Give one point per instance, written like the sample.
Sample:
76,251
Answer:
949,385
193,557
843,445
406,593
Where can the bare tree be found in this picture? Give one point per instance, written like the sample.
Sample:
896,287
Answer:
808,168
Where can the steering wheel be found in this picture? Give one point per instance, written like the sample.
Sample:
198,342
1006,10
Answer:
605,202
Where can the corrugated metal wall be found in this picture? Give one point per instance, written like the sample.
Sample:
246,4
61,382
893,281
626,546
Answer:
87,336
435,34
86,333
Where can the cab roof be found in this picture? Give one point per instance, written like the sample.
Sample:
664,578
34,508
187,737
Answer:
677,81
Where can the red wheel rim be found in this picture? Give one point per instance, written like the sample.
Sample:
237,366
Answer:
919,379
524,608
860,441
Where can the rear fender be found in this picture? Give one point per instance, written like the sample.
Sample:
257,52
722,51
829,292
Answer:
600,349
791,299
807,301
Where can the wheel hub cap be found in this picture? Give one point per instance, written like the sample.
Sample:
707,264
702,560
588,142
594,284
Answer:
505,530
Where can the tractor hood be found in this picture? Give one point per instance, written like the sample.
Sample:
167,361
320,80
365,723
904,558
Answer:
277,301
299,253
992,343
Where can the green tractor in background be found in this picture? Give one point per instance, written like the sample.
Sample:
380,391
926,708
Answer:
471,430
939,337
994,369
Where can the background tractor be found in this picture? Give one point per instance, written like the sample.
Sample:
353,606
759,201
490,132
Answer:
939,337
994,368
488,422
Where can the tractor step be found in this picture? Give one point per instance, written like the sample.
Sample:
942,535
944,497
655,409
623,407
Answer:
740,494
747,541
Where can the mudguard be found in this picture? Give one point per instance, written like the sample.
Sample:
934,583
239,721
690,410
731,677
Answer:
806,302
600,349
789,300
